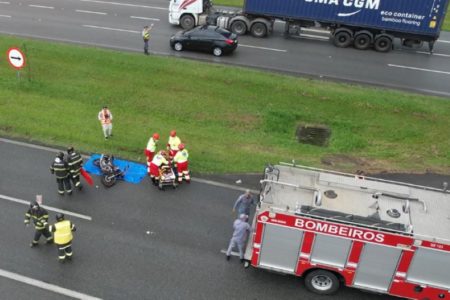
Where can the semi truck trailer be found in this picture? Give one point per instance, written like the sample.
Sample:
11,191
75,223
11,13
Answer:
362,24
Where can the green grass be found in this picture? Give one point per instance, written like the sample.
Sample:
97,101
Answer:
232,119
240,3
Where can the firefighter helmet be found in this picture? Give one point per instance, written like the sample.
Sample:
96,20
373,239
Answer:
34,205
70,149
156,136
181,146
243,217
59,217
60,155
173,133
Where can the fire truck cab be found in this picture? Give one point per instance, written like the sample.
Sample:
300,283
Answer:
336,228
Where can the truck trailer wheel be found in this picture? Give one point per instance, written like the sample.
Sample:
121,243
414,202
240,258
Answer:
258,30
383,43
342,39
239,27
362,40
187,22
322,282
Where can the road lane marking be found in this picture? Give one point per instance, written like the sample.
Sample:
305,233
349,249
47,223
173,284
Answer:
41,6
112,29
419,69
66,212
90,12
262,48
46,286
144,18
443,41
125,4
3,2
233,253
5,16
433,54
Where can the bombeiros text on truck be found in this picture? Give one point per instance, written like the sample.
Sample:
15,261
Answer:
361,23
337,229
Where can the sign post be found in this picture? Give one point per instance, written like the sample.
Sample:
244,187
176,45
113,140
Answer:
16,59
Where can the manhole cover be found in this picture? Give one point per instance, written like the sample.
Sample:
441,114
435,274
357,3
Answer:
313,134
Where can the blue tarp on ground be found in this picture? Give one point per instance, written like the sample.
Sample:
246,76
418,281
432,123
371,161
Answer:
134,174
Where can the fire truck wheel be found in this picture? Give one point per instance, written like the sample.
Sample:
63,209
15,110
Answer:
322,282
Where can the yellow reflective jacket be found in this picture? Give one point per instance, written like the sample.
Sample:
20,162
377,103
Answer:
63,232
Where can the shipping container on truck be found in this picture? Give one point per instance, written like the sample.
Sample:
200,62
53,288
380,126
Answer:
338,229
361,23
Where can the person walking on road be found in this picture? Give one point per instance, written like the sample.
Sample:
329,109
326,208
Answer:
62,231
146,37
240,233
243,203
61,170
75,162
151,149
40,220
105,117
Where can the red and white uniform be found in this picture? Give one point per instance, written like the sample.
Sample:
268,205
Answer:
156,163
150,151
181,159
172,145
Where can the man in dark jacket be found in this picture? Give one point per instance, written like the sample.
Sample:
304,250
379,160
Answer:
75,162
40,219
61,170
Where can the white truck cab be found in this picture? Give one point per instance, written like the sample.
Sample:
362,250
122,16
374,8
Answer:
186,13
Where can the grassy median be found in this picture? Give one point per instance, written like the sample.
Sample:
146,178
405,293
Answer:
232,119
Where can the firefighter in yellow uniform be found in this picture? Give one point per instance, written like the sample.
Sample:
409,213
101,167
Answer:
62,237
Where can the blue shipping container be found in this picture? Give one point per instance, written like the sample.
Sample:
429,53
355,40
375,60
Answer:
422,17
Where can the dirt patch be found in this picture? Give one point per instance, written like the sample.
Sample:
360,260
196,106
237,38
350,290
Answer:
6,128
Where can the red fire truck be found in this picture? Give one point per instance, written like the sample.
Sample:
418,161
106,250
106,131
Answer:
335,228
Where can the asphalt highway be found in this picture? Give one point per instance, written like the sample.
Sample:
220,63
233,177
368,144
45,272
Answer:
132,241
118,24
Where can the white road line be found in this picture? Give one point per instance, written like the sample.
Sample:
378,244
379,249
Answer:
419,69
90,12
144,18
443,41
125,4
113,29
66,212
41,6
5,16
233,253
434,54
4,2
224,185
262,48
46,286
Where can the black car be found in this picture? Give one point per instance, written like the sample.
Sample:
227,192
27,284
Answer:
205,38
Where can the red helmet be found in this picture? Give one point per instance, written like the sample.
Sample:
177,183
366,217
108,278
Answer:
173,133
156,136
181,146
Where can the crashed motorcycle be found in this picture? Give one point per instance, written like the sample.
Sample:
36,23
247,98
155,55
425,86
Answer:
110,172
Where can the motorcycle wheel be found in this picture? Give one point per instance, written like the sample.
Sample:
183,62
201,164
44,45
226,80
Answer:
108,180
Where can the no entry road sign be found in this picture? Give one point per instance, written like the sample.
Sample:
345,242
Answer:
16,58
